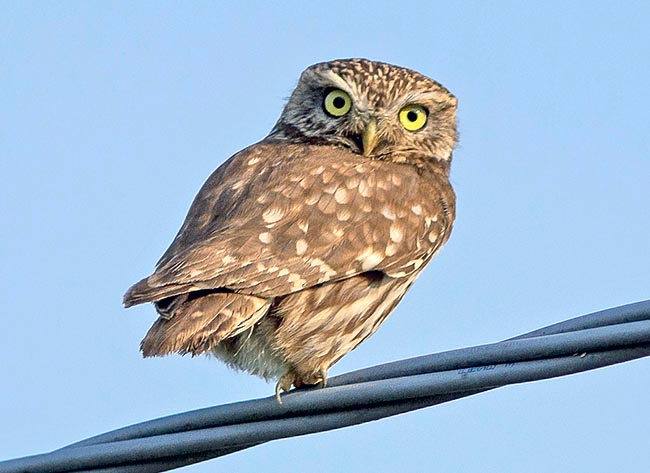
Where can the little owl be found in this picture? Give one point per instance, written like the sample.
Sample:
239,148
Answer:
297,248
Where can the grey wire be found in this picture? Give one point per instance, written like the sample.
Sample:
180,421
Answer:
584,343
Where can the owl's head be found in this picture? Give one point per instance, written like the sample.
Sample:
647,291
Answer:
372,108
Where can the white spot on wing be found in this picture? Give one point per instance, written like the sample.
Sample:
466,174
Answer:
301,247
364,188
296,281
293,277
417,209
416,263
396,233
388,213
227,259
371,261
327,176
265,237
264,198
273,215
323,267
304,226
391,249
342,196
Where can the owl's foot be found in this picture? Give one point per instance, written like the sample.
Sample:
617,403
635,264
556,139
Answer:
293,379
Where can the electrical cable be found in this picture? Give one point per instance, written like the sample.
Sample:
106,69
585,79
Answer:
584,343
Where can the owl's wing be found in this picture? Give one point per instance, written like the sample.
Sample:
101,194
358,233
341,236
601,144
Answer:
270,225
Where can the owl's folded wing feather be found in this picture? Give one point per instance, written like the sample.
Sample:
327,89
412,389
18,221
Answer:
310,220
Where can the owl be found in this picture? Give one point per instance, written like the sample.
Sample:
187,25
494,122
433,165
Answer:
297,248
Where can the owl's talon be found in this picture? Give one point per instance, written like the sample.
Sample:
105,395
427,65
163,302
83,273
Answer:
284,384
278,390
323,375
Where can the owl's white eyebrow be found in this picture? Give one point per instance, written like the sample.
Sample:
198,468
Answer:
336,80
423,97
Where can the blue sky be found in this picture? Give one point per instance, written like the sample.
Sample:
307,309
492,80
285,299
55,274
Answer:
113,114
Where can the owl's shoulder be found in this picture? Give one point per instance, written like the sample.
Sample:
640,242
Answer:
244,183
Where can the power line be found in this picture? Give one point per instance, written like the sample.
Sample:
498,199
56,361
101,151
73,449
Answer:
584,343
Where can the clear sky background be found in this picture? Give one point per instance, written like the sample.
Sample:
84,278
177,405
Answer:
112,114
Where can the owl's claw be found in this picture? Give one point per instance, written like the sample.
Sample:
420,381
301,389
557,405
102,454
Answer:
278,389
323,376
284,384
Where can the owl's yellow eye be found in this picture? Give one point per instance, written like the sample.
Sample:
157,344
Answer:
337,103
413,117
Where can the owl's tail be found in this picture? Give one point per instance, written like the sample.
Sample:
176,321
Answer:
142,292
200,320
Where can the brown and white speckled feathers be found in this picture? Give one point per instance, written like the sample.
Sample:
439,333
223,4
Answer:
378,91
297,248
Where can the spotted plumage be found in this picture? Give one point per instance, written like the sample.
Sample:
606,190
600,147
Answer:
297,248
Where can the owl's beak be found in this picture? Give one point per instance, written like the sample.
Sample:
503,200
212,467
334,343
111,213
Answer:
369,137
